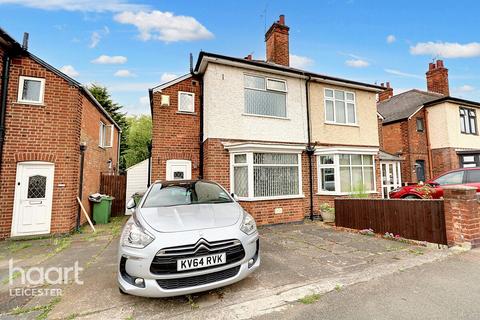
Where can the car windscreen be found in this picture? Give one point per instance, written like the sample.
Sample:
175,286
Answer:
187,193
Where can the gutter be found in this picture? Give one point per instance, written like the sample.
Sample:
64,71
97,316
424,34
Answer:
310,148
3,101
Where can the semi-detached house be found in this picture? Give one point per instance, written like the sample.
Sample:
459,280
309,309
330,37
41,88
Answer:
282,139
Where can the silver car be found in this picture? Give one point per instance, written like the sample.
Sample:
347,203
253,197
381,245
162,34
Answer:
186,237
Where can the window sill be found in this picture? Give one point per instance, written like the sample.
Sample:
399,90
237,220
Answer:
272,198
469,134
188,113
30,103
104,147
264,116
342,124
341,193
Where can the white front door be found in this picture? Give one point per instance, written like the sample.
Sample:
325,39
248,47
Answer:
179,170
32,208
391,176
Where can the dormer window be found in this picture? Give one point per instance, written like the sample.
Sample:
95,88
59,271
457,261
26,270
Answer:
31,90
265,96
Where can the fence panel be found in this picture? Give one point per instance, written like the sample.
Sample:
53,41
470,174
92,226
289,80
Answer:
412,219
114,186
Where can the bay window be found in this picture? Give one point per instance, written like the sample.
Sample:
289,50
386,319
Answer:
265,96
266,175
344,173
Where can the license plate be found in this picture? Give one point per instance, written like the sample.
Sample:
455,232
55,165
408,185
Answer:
201,262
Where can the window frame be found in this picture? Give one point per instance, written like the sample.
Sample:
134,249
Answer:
336,166
250,173
466,118
420,120
21,84
265,89
193,100
103,135
332,99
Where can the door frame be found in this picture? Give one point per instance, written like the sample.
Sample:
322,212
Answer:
397,176
171,163
16,197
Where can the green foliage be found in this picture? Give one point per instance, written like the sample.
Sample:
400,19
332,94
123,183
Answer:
325,207
310,298
139,136
359,192
115,110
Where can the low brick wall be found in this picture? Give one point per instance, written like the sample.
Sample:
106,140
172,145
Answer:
462,216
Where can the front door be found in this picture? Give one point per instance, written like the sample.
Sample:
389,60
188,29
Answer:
391,176
179,170
420,170
32,208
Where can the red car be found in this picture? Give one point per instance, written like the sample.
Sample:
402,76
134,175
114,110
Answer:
432,189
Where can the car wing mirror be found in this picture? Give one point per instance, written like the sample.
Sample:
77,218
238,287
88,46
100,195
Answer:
131,205
234,196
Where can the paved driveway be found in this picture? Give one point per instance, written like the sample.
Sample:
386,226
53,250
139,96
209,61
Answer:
297,261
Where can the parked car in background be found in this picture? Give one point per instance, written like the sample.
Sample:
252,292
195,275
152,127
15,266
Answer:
186,237
432,189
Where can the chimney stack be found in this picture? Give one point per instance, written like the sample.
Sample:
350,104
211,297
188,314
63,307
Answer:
437,78
386,94
277,45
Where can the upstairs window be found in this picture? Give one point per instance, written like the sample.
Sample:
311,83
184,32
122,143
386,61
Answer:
31,90
420,126
105,135
340,107
186,101
265,96
468,121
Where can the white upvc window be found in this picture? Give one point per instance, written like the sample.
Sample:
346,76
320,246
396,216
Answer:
31,90
105,139
265,96
346,173
266,175
186,101
340,107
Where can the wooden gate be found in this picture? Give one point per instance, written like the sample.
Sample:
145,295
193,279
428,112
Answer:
114,186
422,220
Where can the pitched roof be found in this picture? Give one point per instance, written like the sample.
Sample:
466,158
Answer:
403,105
278,67
8,41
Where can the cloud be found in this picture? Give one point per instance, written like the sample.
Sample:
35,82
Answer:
357,63
70,71
466,88
97,36
145,100
391,38
164,26
167,77
123,73
104,59
76,5
402,74
300,61
447,49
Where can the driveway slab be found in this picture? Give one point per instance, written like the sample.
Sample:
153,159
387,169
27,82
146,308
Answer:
297,260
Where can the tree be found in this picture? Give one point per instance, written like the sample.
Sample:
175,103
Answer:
139,136
114,110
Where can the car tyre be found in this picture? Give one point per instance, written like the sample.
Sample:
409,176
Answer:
412,197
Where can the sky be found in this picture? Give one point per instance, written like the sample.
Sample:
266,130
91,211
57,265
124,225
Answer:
130,46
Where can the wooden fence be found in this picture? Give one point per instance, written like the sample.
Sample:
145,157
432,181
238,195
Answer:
114,186
412,219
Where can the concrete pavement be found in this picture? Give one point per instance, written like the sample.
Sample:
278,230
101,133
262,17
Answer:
448,289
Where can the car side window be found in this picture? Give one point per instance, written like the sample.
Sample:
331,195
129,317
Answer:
473,176
451,178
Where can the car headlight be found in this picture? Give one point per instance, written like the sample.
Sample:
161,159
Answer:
248,225
135,236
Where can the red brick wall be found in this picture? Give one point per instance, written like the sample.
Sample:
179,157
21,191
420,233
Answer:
444,159
175,135
48,133
96,157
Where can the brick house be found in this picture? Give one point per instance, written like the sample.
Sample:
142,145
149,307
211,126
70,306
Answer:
257,128
48,122
433,131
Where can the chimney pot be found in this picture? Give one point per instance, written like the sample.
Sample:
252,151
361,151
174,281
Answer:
249,57
25,41
439,63
388,84
281,20
382,84
387,93
431,66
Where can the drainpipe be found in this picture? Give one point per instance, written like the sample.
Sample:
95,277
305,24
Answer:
310,148
200,165
149,178
83,147
429,149
3,102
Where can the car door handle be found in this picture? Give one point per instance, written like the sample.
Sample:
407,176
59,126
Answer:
35,202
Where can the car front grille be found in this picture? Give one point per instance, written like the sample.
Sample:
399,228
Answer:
198,280
165,261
